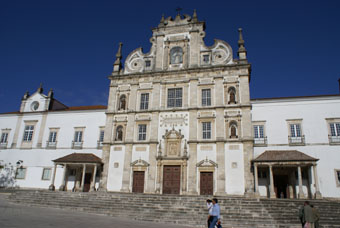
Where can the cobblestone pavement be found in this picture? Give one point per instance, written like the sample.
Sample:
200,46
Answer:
13,215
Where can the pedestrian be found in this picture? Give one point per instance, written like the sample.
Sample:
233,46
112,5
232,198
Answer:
302,216
209,206
308,215
316,216
215,214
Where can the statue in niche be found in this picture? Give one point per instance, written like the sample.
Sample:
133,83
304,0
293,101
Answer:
176,55
119,133
122,102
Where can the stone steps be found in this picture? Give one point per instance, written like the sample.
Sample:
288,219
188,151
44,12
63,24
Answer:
237,212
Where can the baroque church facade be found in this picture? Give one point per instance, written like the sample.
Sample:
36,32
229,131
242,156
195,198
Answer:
179,120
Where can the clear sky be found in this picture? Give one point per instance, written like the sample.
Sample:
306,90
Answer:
70,46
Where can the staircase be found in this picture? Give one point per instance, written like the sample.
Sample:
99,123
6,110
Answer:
236,212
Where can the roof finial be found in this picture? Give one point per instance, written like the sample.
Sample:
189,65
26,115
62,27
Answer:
194,16
242,53
178,16
50,93
162,19
118,64
178,9
26,95
40,89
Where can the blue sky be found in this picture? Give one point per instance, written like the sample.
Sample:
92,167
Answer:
70,45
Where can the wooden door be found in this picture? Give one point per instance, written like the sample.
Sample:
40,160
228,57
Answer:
207,183
87,182
171,179
138,182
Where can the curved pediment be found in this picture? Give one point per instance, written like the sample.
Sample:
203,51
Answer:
140,162
207,163
173,134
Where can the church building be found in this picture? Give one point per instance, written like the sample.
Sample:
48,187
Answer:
179,120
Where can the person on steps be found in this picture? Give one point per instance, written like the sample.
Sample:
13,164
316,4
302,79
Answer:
215,214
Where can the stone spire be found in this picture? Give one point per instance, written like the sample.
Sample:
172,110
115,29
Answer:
40,89
117,66
194,16
50,93
242,53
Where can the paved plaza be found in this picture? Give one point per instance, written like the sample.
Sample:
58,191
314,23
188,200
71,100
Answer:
12,215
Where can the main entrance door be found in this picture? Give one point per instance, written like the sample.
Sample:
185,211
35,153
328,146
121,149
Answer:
171,179
206,183
138,181
281,186
87,182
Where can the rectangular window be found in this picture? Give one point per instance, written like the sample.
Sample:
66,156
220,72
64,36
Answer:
206,58
20,173
338,176
144,101
101,136
46,175
147,63
206,97
142,132
78,136
335,129
175,97
28,133
258,131
206,129
295,130
52,137
4,137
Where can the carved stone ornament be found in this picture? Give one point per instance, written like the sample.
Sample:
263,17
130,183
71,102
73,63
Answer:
207,163
176,120
140,162
173,142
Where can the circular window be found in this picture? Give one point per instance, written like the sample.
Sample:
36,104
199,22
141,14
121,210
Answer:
35,105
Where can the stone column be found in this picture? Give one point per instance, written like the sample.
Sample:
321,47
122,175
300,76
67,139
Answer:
159,175
16,132
220,159
192,177
150,186
127,168
83,178
63,185
41,130
301,195
257,193
184,177
271,179
93,184
52,186
316,180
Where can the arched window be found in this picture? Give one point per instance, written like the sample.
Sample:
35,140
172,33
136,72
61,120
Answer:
232,95
233,130
122,102
119,133
176,55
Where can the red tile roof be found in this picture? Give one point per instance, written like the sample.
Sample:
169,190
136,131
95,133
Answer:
283,155
79,158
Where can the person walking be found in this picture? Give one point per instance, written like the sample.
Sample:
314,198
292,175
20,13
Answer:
215,214
316,216
209,206
308,215
302,216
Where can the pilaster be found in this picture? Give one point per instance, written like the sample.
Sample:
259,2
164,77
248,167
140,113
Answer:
127,168
220,158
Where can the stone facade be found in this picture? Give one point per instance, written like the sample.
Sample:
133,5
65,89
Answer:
198,106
